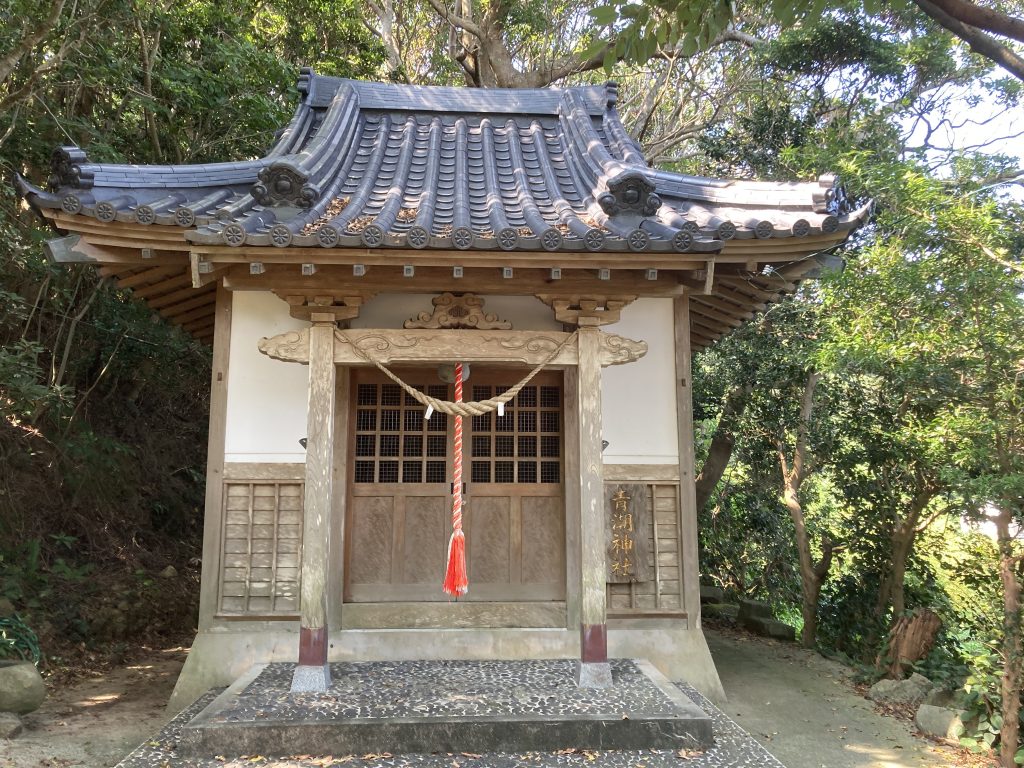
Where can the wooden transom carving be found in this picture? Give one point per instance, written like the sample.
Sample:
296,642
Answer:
462,311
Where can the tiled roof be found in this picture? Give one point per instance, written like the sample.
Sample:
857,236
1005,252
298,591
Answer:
374,165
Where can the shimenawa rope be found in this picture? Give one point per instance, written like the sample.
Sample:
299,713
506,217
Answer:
472,407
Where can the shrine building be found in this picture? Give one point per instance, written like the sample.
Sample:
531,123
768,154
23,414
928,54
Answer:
390,233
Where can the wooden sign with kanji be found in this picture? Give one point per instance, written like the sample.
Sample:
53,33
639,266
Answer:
627,531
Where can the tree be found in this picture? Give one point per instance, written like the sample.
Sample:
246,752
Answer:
635,27
934,306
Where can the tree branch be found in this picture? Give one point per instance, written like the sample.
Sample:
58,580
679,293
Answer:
988,19
733,35
456,21
9,62
979,42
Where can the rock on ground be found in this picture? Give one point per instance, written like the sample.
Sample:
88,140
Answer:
720,611
939,722
21,687
911,691
754,609
711,594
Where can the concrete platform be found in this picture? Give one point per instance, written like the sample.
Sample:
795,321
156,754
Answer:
447,707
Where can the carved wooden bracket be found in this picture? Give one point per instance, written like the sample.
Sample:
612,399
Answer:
442,345
465,311
586,310
303,307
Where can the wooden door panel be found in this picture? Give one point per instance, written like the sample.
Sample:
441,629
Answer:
488,526
543,555
371,533
424,541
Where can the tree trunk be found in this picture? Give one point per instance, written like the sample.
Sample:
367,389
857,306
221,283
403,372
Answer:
891,590
812,575
722,443
910,640
1011,681
810,586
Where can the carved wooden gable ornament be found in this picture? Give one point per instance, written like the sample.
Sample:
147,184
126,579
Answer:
463,311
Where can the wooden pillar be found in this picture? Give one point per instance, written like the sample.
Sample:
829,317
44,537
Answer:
593,670
313,673
690,571
213,544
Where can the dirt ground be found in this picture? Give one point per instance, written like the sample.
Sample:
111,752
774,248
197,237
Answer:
805,711
800,705
95,722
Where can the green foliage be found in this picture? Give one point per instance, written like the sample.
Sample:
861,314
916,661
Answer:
17,640
103,406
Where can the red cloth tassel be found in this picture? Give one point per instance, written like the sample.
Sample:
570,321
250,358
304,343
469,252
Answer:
456,582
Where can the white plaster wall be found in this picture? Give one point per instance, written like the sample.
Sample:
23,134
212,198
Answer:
267,399
639,399
391,310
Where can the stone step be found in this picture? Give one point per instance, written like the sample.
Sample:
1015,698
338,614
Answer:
446,706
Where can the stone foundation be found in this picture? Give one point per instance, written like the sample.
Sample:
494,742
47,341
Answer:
220,656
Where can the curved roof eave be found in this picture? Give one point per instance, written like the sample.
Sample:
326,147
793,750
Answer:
377,165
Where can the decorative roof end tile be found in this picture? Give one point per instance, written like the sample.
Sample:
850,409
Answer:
284,184
630,193
66,168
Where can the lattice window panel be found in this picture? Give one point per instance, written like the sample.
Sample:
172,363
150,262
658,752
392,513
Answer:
524,445
393,442
262,540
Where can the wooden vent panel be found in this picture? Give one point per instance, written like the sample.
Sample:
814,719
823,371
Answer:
664,591
262,540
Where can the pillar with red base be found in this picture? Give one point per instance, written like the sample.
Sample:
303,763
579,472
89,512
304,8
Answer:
593,669
313,672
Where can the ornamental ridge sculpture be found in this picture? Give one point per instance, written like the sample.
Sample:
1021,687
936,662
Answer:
462,311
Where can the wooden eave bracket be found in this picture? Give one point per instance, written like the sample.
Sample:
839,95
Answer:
701,282
586,310
204,272
318,307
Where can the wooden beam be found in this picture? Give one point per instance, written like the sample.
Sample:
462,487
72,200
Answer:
163,287
426,257
752,247
723,306
714,314
206,310
122,229
194,325
201,332
710,326
339,281
145,276
747,287
179,295
357,346
204,299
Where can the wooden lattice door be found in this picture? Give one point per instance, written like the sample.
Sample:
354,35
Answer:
399,515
